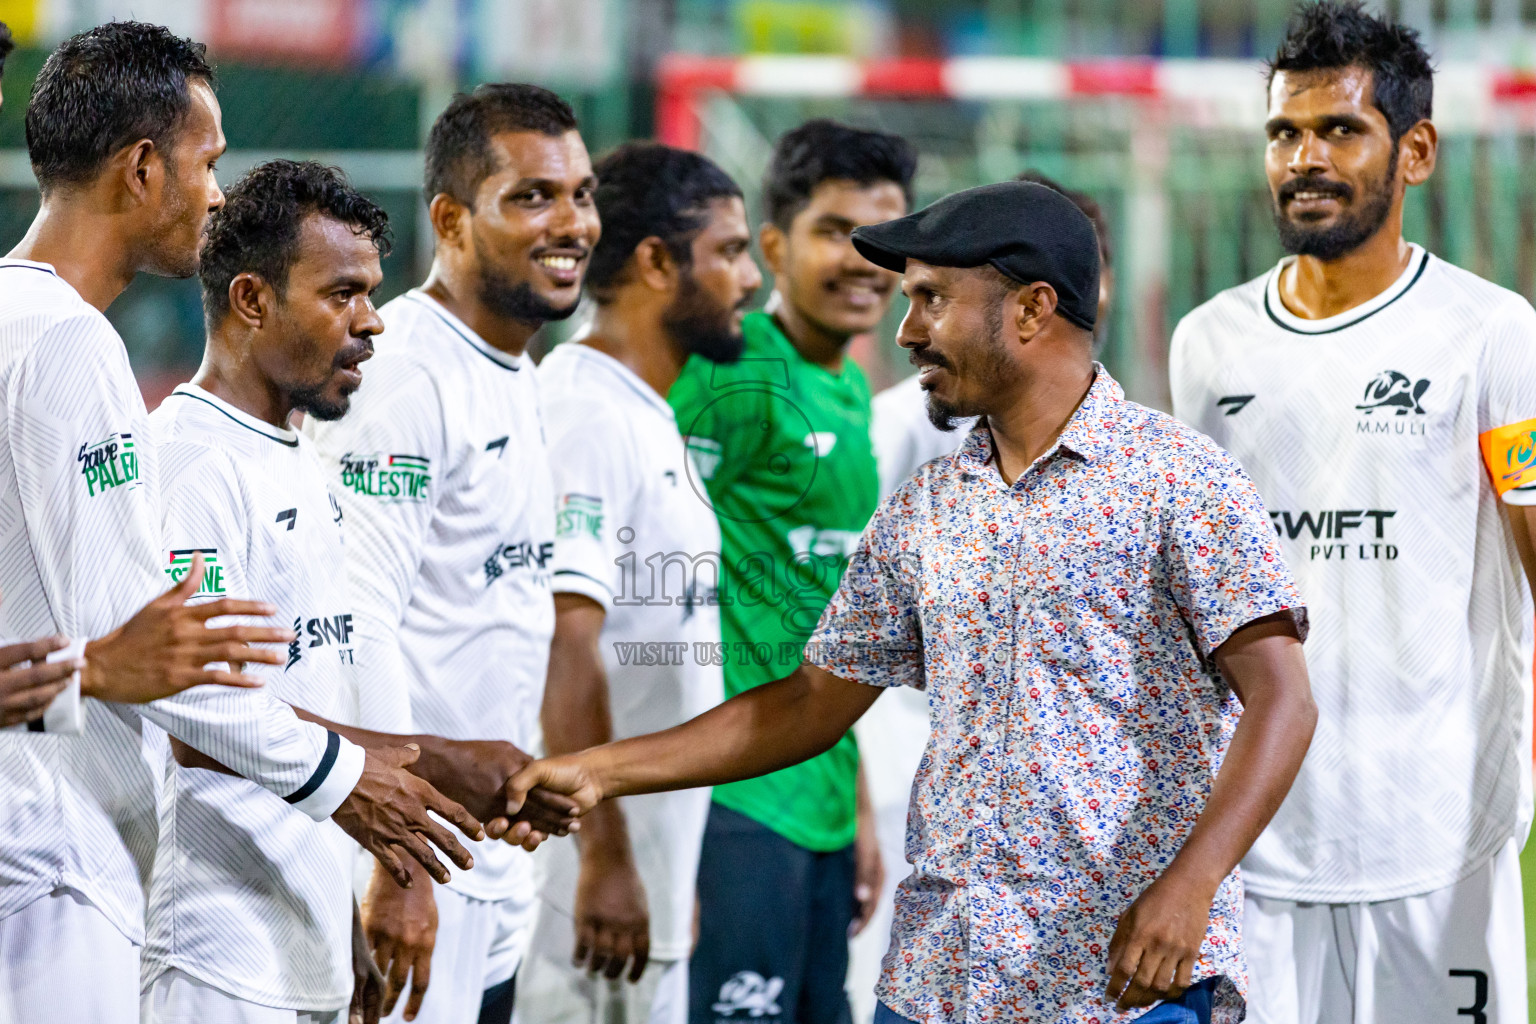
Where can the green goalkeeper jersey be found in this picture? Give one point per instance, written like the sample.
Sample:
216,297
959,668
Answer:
781,447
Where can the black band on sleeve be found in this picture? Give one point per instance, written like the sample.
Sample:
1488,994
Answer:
332,749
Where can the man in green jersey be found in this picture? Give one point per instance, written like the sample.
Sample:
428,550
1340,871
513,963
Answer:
781,449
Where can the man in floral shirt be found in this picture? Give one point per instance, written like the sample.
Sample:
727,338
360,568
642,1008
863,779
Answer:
1090,593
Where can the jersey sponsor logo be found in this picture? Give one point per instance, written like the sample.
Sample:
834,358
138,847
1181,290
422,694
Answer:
1509,452
321,631
499,446
821,442
1231,405
578,514
706,454
1392,391
289,516
521,555
109,464
805,541
750,992
1335,536
390,478
213,573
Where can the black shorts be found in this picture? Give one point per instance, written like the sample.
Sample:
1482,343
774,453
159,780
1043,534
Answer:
773,928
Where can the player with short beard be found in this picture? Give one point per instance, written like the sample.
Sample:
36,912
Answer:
671,278
1385,403
288,269
782,444
123,130
443,475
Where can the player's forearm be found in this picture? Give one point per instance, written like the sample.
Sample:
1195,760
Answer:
575,716
762,730
1267,750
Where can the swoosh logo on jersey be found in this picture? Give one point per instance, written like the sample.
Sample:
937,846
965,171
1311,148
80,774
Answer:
290,516
1233,404
499,446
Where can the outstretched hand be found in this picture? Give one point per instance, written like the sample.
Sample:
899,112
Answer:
476,773
168,646
566,775
387,812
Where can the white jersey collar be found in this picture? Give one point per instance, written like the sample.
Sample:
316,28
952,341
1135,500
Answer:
288,437
626,376
1417,261
504,359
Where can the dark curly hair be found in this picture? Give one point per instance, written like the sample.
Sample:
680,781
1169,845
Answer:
105,89
646,189
822,150
459,153
1337,34
257,231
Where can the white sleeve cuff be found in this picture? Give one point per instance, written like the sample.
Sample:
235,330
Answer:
574,581
335,778
1520,496
65,715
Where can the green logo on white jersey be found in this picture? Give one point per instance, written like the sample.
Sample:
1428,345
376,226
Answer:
109,464
390,478
213,572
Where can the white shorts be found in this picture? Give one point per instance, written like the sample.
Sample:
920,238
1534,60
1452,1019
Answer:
1453,955
479,945
551,990
175,997
62,962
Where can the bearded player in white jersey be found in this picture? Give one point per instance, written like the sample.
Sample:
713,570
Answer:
288,268
1384,402
443,476
123,132
636,565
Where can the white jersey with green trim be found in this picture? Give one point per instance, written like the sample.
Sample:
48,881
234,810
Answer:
1381,440
80,553
442,473
636,533
252,498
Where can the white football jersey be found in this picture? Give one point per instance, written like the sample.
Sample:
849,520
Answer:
441,470
80,553
904,437
633,534
252,498
1381,440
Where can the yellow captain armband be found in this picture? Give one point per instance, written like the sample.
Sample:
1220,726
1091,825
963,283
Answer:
1509,452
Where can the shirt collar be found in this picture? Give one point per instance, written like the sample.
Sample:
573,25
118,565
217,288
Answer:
1089,434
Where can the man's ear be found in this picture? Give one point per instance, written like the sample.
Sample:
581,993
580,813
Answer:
1416,152
772,240
142,167
250,300
450,222
1036,303
654,265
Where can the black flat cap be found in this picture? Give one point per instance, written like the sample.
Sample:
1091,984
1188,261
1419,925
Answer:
1028,232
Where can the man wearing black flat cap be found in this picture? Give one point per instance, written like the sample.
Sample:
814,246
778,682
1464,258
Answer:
1090,593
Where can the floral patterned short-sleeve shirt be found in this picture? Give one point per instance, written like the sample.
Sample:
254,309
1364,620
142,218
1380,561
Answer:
1063,628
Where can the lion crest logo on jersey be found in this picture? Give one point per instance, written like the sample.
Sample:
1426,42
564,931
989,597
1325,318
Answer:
750,991
1396,391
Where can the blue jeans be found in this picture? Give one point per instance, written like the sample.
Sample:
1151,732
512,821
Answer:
1193,1007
